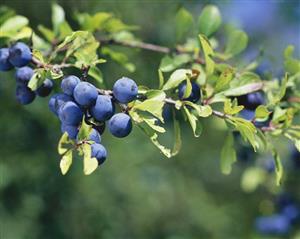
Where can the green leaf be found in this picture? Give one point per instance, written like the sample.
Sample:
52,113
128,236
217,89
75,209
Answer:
38,55
243,90
95,22
96,73
176,78
161,79
64,30
83,46
201,110
6,13
278,167
119,57
152,123
224,79
168,63
188,89
64,144
282,90
261,112
89,164
154,139
230,109
84,131
228,154
177,133
58,16
184,23
247,130
289,51
153,106
210,20
48,34
66,162
237,42
37,79
114,25
194,122
13,24
208,53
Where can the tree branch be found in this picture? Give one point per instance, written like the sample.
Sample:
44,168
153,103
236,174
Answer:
149,47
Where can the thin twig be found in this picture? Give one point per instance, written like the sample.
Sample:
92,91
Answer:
40,64
150,47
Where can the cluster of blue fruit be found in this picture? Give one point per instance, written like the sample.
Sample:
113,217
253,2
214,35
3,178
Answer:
19,56
281,223
81,98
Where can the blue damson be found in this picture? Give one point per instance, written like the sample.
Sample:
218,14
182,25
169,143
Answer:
120,125
194,95
45,89
5,65
69,83
57,100
85,94
24,74
251,101
24,95
103,109
125,90
19,54
99,152
71,130
95,136
70,113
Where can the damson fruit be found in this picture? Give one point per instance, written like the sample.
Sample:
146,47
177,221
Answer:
273,225
99,152
85,94
19,54
69,83
247,114
120,125
45,89
125,90
103,109
57,100
24,95
251,101
95,136
70,113
24,74
5,65
291,212
71,130
195,94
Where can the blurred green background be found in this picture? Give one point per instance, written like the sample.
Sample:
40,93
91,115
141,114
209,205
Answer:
137,193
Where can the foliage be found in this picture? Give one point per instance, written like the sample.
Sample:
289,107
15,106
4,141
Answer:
61,47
